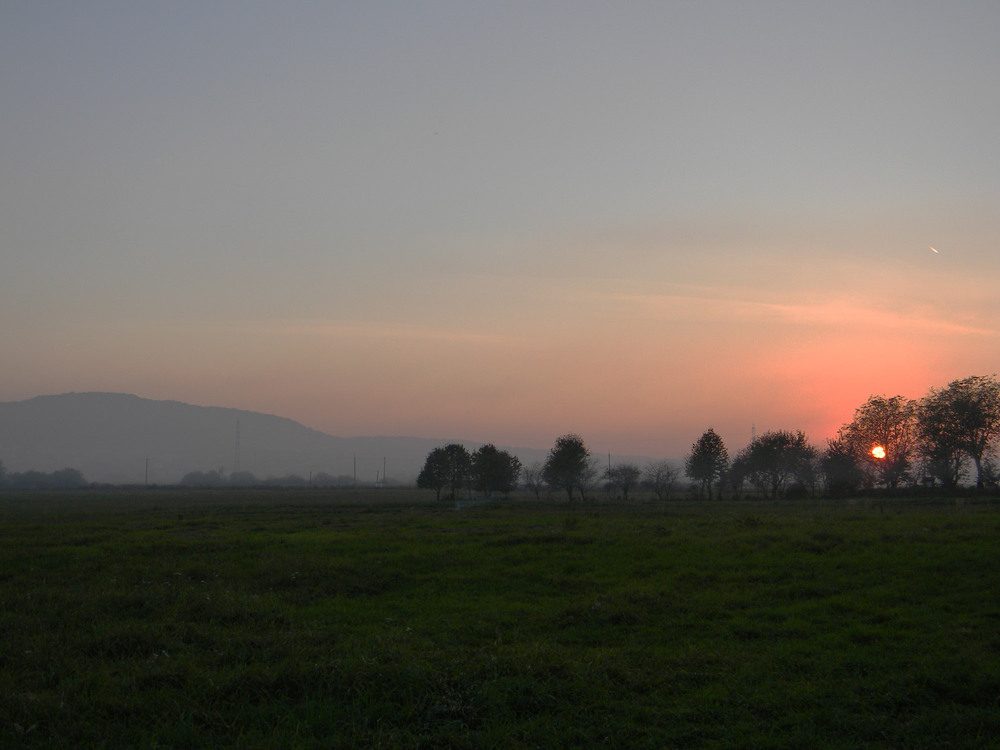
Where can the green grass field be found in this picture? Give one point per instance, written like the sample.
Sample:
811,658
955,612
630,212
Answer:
312,620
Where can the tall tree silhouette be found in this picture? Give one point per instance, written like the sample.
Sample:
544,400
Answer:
494,470
568,464
708,461
963,416
776,458
447,466
889,423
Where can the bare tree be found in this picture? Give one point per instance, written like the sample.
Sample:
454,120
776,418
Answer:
623,478
660,477
534,479
588,480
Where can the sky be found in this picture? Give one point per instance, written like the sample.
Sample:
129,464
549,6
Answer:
502,222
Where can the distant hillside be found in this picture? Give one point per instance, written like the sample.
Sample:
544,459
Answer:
110,436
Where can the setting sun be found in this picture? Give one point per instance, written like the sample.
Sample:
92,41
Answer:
878,451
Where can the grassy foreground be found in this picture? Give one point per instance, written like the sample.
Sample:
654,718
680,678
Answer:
304,620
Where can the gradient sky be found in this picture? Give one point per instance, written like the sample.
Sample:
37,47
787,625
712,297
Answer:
506,221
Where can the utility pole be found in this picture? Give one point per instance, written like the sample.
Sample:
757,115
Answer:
236,457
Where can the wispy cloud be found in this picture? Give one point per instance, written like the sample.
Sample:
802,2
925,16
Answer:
381,330
840,313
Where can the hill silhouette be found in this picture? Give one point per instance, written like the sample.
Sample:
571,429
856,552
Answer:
110,436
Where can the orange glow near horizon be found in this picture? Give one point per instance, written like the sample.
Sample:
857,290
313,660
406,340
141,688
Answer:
648,374
878,451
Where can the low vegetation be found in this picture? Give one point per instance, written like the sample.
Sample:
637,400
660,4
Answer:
316,619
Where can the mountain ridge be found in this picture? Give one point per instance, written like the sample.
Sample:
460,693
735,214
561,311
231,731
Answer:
122,438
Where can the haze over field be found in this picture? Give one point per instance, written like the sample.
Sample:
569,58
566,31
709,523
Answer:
501,222
119,438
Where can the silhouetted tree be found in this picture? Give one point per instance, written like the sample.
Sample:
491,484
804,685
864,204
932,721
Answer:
589,478
21,479
29,480
941,450
889,423
660,477
623,478
708,461
434,474
568,465
962,417
447,466
776,458
736,476
842,475
459,466
494,470
534,479
991,472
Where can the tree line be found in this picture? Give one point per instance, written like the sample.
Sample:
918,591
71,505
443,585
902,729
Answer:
890,442
245,479
61,479
487,469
